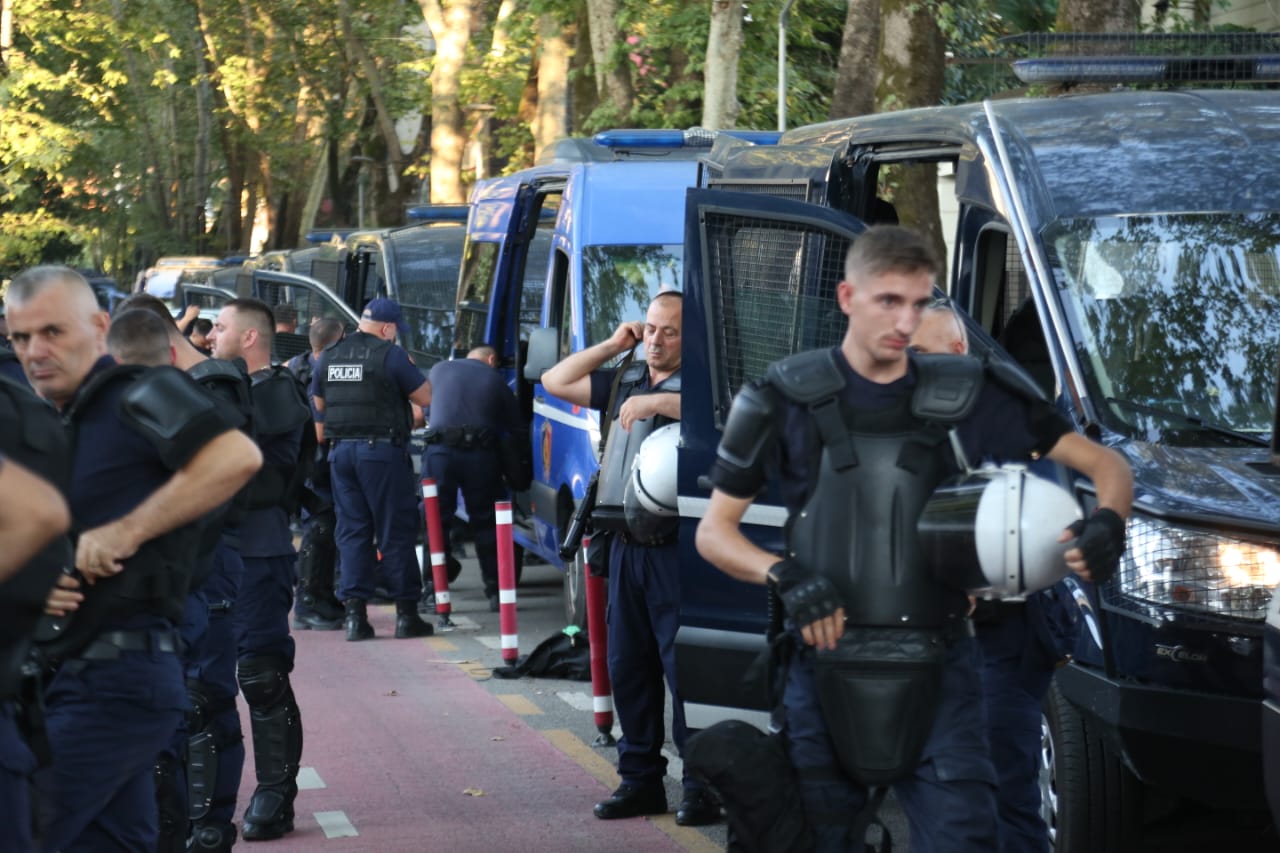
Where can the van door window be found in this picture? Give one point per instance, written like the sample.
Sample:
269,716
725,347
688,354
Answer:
479,261
620,281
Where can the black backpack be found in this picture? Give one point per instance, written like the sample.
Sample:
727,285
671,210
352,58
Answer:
565,654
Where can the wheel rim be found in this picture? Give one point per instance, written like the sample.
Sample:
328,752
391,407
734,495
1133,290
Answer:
1048,782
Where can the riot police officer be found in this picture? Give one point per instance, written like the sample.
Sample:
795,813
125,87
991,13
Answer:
316,607
151,455
362,391
644,573
472,413
244,329
859,434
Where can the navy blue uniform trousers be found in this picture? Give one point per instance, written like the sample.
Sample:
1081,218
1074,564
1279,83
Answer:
107,721
950,799
478,473
17,764
644,614
260,617
374,497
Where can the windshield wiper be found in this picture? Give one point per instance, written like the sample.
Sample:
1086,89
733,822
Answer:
1193,420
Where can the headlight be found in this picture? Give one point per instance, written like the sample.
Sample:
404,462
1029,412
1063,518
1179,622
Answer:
1194,570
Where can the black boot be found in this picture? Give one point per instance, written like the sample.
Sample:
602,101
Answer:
357,622
408,622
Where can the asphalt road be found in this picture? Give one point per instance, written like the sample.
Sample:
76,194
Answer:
414,745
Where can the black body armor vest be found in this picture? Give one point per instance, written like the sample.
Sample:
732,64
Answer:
875,473
360,400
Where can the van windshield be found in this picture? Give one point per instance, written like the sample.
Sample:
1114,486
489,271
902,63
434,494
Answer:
619,282
1177,320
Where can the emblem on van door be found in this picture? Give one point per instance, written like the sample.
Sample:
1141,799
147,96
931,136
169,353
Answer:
1180,654
346,372
546,447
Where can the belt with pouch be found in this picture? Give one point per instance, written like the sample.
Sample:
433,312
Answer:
109,644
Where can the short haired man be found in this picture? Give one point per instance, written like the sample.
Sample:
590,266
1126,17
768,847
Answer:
363,390
244,329
143,476
137,336
199,337
644,576
472,413
858,442
286,318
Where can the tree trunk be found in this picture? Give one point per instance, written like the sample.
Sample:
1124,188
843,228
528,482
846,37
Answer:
450,23
1098,16
724,44
386,124
613,77
911,75
551,117
855,89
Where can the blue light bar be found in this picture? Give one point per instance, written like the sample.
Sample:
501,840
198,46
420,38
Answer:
437,212
695,137
1154,69
328,235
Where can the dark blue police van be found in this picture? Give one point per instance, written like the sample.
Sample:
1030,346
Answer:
1123,249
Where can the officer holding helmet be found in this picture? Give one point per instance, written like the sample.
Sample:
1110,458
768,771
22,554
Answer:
152,455
644,565
362,391
860,436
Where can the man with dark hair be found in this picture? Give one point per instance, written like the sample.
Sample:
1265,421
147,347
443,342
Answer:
143,476
644,571
137,336
286,318
244,330
199,337
316,607
472,413
363,390
859,436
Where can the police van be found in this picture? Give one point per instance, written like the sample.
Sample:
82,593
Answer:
1123,249
561,254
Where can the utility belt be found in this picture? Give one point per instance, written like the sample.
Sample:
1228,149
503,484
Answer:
463,437
368,440
110,645
626,537
879,691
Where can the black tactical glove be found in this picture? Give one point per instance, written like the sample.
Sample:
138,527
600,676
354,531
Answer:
807,597
1100,538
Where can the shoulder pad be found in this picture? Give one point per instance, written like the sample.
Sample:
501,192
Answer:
750,425
947,386
634,373
807,377
216,367
170,410
670,385
279,402
1012,378
120,372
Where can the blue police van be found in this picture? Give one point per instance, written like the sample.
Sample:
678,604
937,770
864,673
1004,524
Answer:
560,254
1123,250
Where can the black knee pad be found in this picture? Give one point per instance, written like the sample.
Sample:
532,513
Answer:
264,681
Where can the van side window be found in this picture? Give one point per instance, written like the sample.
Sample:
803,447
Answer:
474,288
562,302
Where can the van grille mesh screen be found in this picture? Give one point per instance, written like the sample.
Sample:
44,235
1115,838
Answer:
771,292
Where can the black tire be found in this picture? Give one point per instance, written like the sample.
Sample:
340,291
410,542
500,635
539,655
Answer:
575,591
1090,800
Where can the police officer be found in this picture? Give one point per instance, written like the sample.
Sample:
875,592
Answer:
151,456
363,388
859,436
33,550
472,412
644,578
1022,644
316,607
244,330
206,756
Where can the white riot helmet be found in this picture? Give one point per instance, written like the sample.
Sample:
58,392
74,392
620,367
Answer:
650,501
994,532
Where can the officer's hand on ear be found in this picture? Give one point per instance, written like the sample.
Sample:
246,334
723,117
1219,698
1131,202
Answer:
1099,545
812,602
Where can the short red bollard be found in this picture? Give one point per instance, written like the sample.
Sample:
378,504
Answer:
506,582
435,546
598,641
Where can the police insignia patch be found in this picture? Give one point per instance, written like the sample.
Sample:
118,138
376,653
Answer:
345,373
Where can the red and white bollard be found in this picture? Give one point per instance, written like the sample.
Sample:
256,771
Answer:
598,641
506,582
435,545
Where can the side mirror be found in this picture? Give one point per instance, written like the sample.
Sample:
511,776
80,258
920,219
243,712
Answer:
544,351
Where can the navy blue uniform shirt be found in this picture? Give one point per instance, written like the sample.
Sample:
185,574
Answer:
999,429
602,385
468,392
